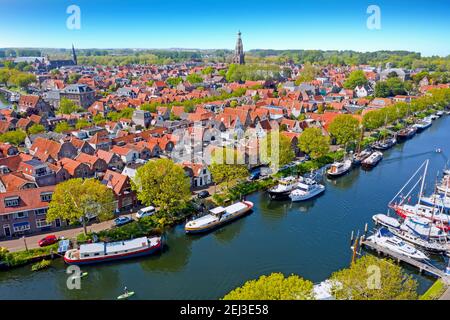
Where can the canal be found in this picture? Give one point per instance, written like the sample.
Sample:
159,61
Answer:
310,239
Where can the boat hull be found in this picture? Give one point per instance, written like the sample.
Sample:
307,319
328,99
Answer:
116,257
307,197
220,223
279,195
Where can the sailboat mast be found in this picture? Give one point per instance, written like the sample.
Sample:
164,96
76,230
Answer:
423,180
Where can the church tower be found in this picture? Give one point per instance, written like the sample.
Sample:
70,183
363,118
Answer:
238,57
74,55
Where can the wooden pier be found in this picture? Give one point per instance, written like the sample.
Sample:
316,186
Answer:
422,266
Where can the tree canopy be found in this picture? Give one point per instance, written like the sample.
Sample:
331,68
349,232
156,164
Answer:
36,128
74,199
62,127
67,106
164,184
370,278
16,137
314,143
356,78
273,287
345,128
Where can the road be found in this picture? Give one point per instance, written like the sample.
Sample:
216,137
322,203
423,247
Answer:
32,240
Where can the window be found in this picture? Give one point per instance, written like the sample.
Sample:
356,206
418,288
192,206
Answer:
40,212
20,215
46,197
42,223
21,227
6,217
12,202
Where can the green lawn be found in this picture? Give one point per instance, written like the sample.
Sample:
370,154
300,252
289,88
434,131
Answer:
435,291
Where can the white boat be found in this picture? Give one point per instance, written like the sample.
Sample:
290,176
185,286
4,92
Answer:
338,169
444,186
384,238
447,172
434,117
439,201
306,190
218,217
359,157
386,221
440,113
284,187
436,246
372,160
423,124
423,228
102,251
430,213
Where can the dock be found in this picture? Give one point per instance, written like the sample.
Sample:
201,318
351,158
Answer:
422,266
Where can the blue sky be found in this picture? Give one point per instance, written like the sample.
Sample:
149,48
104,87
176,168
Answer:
422,26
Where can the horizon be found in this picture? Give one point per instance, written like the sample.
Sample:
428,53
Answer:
147,25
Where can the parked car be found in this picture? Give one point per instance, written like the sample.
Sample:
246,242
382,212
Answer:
145,212
203,194
48,240
120,221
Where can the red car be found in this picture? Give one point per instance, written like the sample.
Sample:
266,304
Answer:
48,240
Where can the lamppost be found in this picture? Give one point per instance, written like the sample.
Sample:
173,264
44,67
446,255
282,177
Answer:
25,242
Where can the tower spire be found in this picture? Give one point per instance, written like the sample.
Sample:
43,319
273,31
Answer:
239,56
74,55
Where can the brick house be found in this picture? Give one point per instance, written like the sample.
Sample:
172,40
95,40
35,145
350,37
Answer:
121,187
24,212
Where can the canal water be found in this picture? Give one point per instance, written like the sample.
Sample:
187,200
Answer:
310,239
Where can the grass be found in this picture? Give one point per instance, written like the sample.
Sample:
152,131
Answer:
13,259
435,291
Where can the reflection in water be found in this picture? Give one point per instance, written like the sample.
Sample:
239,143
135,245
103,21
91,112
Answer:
175,255
229,232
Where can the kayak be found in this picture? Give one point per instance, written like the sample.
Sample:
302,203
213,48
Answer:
125,295
82,275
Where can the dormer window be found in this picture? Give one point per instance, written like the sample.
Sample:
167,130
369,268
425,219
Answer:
12,201
46,197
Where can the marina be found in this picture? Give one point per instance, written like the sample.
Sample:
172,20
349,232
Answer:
309,238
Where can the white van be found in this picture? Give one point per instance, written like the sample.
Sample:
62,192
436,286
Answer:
145,212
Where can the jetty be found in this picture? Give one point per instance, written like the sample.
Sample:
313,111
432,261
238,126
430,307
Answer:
422,266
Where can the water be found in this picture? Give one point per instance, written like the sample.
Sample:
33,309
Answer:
310,239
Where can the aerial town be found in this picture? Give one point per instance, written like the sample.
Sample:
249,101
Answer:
179,160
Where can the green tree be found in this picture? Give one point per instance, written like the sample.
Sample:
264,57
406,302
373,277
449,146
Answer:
174,81
67,106
62,126
208,70
308,73
36,128
382,89
194,78
76,199
226,168
345,128
16,137
82,123
393,284
274,287
148,107
21,79
356,78
164,184
73,78
314,143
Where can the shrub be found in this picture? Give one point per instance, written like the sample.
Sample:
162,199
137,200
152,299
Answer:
41,265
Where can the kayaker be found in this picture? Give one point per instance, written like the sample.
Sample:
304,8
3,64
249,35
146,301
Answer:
125,291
